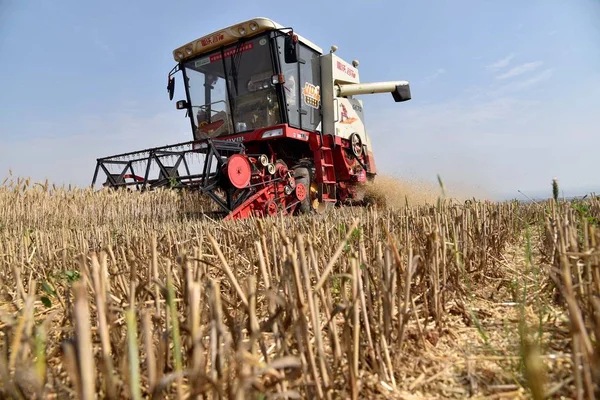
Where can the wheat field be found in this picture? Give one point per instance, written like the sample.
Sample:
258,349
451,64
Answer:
123,295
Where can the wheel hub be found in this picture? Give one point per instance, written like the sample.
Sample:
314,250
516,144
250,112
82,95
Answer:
300,191
271,208
239,171
356,144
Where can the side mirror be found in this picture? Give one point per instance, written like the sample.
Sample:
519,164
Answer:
181,105
401,93
290,50
171,87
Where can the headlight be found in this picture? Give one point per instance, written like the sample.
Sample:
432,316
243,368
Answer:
273,133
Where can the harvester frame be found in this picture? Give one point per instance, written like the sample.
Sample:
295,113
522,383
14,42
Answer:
268,144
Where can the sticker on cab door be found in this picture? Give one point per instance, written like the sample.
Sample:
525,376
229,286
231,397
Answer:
311,95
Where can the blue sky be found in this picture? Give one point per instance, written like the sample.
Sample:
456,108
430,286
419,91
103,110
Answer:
506,94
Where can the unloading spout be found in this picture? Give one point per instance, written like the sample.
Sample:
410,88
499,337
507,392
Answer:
400,90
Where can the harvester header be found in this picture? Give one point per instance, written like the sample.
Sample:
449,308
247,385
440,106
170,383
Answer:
276,128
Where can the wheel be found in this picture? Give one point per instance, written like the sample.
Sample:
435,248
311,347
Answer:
271,208
302,175
356,145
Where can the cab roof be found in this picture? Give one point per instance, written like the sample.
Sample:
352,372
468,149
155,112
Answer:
232,34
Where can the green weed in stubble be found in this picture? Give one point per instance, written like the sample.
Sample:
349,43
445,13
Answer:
50,284
132,346
440,199
353,239
530,363
176,336
49,290
555,191
40,354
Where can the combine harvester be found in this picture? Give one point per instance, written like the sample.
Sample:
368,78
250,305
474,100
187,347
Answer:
275,124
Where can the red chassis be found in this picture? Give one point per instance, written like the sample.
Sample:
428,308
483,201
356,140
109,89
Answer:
338,169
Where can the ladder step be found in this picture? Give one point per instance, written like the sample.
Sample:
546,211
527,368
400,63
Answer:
328,181
325,148
327,165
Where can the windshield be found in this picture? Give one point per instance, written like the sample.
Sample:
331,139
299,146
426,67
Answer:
231,90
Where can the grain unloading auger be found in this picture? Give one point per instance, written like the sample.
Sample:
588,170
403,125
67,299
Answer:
276,127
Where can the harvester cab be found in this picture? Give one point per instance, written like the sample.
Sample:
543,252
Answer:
275,125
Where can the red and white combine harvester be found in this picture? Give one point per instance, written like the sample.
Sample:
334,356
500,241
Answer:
275,123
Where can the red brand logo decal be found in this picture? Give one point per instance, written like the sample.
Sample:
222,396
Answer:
347,70
212,39
231,52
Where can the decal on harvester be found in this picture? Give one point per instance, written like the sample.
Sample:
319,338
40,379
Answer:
344,118
218,56
216,38
201,62
231,52
347,70
311,95
299,135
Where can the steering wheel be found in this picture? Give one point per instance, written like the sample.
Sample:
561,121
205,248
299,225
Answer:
213,129
206,127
